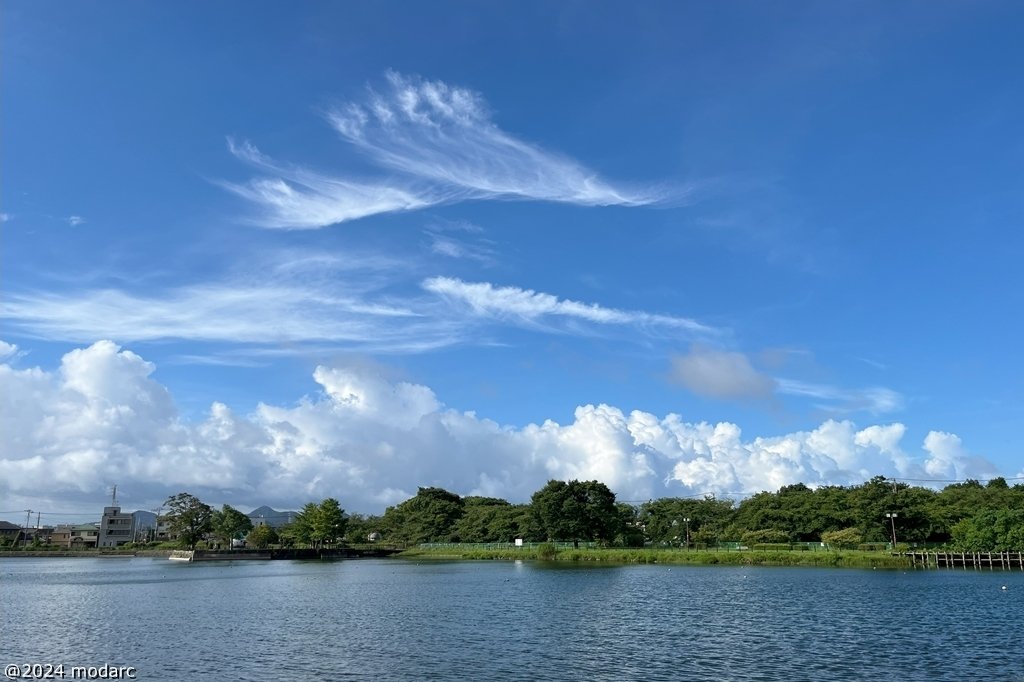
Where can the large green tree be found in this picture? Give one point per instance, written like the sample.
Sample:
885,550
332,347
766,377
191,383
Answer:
229,524
190,519
576,510
430,516
991,530
261,537
319,524
477,523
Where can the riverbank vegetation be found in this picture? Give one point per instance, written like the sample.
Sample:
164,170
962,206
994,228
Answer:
669,556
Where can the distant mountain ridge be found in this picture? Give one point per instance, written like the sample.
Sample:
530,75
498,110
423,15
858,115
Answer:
144,519
271,517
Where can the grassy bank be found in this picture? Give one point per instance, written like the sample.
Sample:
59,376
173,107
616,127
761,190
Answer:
846,559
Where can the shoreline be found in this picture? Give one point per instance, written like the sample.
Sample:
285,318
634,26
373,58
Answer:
833,559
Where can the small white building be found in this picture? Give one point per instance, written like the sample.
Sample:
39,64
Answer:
115,528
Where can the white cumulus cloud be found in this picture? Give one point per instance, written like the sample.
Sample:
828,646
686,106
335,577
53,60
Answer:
102,418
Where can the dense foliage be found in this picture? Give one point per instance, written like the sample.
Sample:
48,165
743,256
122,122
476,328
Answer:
189,518
966,516
230,524
317,524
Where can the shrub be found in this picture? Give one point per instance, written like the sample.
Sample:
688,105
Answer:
770,535
845,538
546,551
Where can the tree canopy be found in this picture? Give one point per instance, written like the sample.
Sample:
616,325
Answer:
319,524
189,518
229,524
576,510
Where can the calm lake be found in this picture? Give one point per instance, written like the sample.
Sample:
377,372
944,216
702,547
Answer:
400,620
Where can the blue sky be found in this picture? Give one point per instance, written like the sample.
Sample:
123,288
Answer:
269,254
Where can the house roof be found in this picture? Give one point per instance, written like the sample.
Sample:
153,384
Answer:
7,525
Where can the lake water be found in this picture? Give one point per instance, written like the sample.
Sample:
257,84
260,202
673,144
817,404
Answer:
401,620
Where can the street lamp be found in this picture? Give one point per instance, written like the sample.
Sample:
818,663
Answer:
687,522
892,519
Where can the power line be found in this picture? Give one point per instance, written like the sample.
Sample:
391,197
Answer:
956,480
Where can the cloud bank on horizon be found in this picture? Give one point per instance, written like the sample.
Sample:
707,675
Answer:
439,145
101,418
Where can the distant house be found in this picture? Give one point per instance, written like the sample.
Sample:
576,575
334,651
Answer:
163,529
61,536
43,534
116,528
10,532
83,535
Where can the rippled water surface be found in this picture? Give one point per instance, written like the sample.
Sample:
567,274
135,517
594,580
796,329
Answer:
399,620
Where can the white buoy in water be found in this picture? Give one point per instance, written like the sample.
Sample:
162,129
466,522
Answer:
1004,587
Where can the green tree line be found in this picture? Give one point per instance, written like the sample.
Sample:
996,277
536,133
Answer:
968,515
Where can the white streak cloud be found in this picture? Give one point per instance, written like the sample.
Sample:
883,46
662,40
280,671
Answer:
487,300
874,399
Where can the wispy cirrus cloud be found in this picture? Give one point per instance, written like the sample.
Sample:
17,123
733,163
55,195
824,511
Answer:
460,240
873,399
439,145
298,198
513,303
231,312
444,133
297,302
293,299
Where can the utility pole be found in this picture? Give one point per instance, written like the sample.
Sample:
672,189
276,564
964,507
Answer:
892,518
28,520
